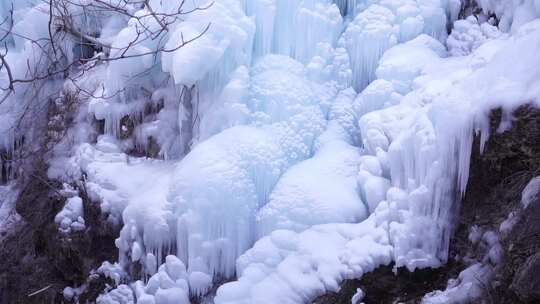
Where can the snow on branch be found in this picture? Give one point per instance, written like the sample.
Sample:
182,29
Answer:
66,20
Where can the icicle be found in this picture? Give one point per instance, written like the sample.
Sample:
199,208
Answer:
316,22
367,37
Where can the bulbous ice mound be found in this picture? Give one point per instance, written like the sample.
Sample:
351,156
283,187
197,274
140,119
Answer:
321,189
382,24
217,189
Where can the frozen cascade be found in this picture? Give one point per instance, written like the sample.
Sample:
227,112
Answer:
379,25
297,203
422,146
293,27
286,117
358,99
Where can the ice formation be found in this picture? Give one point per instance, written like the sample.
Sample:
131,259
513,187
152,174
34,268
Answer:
470,284
530,192
218,188
386,23
299,142
358,296
71,217
512,14
467,287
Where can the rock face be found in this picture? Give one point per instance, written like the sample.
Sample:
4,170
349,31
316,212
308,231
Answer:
523,252
526,283
384,286
35,256
498,177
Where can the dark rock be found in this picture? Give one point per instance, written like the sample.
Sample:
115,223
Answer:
383,286
36,256
95,285
497,178
39,202
526,283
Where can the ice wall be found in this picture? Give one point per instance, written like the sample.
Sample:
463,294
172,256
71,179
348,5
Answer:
383,24
295,182
218,188
293,27
511,14
421,146
265,128
236,33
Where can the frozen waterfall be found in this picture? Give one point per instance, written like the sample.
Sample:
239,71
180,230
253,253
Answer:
300,142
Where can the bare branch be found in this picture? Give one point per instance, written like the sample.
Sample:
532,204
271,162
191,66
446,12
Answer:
160,22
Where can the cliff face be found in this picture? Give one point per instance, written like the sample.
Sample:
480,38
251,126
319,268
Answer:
498,178
37,261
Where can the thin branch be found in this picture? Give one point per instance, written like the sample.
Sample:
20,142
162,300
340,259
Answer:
160,22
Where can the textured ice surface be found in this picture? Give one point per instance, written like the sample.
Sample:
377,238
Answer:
298,202
468,35
512,14
422,146
383,24
218,188
294,267
293,181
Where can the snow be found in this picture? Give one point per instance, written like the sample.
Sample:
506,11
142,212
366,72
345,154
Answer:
115,179
471,283
468,287
358,296
468,35
530,193
293,267
227,38
506,226
169,285
512,14
297,201
71,293
71,217
120,295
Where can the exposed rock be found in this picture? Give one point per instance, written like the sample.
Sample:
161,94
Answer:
497,178
383,286
36,256
526,283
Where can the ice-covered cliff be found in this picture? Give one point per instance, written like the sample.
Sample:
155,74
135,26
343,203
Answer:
288,146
